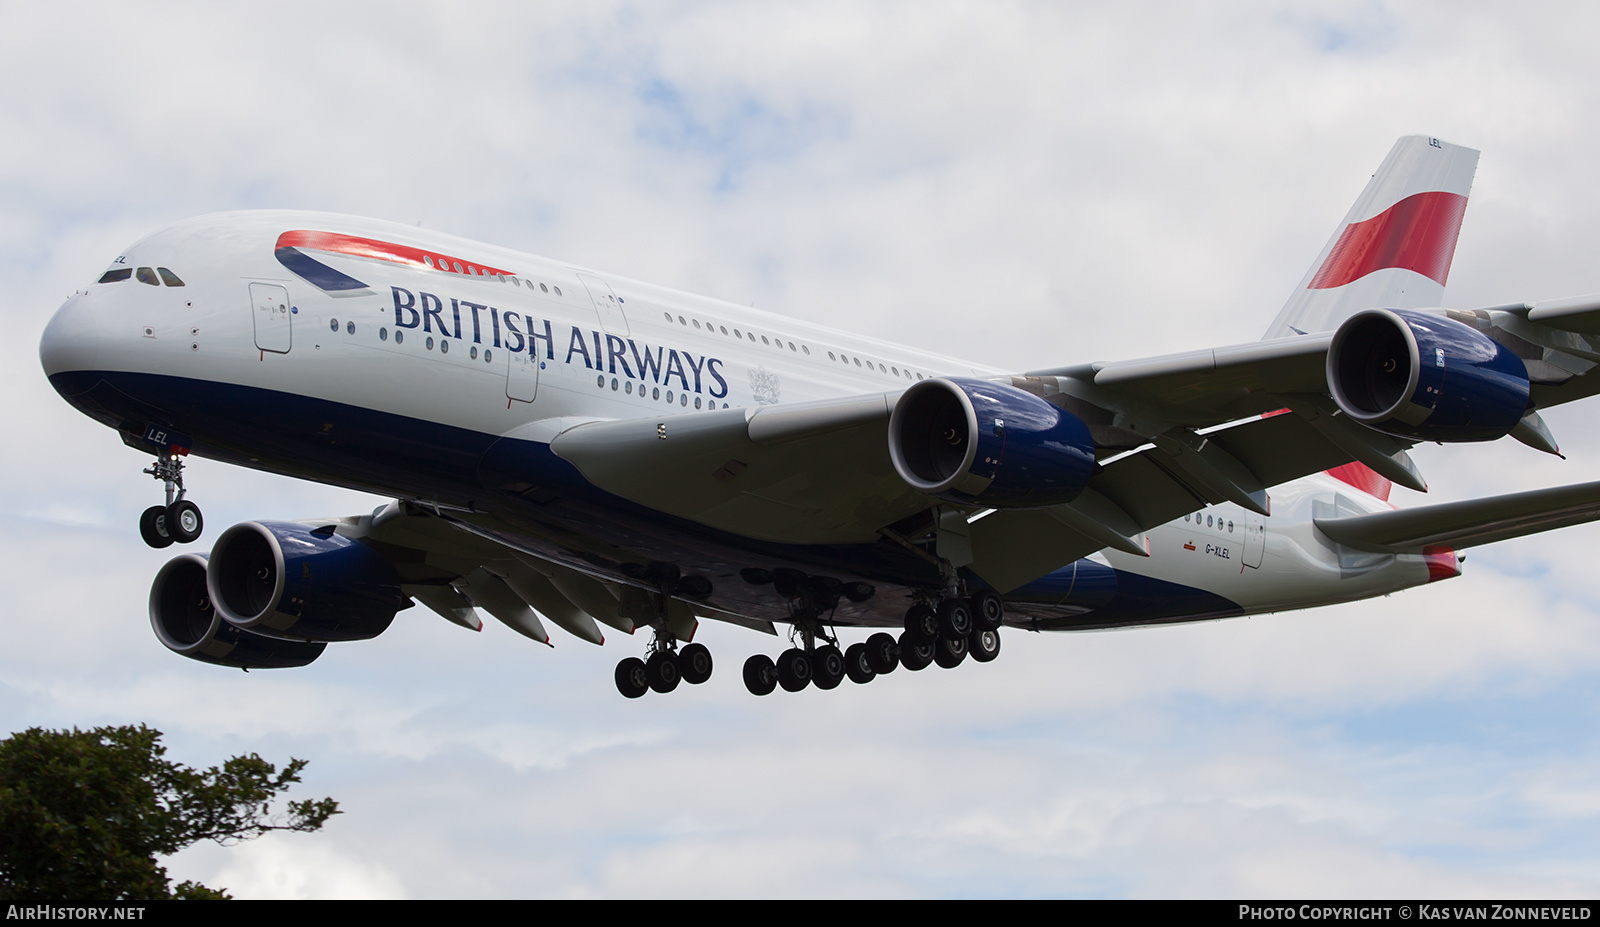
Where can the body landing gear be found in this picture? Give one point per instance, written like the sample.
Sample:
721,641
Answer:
178,521
941,631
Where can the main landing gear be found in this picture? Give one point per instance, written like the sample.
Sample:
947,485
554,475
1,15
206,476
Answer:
664,667
945,633
179,520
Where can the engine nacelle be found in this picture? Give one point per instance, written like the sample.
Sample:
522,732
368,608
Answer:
983,443
287,580
1425,376
187,624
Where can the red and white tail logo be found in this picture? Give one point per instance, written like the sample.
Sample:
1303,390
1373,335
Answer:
1395,246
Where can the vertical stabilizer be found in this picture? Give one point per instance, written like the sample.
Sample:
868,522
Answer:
1394,248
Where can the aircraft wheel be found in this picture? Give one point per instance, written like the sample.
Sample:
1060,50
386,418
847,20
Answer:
988,612
794,670
955,619
883,653
661,671
760,675
922,622
827,667
153,527
857,666
184,522
914,654
949,654
694,662
631,680
984,645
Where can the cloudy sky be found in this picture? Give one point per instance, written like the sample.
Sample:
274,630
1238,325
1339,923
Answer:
1024,184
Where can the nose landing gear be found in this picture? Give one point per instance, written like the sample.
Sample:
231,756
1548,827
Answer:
178,521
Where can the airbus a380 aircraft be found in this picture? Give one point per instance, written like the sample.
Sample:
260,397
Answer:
569,446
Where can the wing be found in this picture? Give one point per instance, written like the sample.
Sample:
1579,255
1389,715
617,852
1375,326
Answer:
808,473
1172,434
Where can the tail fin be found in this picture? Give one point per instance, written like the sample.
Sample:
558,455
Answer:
1395,245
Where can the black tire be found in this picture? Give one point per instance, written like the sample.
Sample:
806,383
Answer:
153,527
184,522
988,612
661,671
857,666
955,619
922,623
827,667
914,654
631,678
949,654
760,675
694,663
984,645
883,653
794,670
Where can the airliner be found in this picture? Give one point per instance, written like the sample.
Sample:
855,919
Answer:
567,447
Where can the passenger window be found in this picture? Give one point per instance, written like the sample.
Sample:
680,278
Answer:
146,275
168,277
116,276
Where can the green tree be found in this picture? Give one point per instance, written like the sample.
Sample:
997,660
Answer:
84,814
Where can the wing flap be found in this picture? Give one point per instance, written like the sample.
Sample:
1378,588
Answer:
1469,523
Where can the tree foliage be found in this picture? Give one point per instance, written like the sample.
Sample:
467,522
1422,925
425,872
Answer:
84,814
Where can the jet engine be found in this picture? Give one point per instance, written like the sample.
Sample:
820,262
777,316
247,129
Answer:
983,443
296,582
1424,376
186,624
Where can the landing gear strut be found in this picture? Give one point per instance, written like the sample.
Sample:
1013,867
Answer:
179,520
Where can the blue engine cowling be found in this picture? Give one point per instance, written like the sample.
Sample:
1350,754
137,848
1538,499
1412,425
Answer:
186,623
983,443
299,583
1424,376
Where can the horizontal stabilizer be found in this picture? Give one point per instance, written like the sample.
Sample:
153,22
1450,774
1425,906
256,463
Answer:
1465,524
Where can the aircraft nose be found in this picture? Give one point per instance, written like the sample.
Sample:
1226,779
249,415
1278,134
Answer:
72,339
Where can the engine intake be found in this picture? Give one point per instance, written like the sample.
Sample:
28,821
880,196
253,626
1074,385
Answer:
287,580
187,624
983,443
1424,376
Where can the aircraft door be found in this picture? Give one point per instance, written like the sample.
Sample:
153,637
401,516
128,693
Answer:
1255,539
606,305
522,376
269,306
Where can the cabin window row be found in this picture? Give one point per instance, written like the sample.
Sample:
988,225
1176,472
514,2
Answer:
682,398
780,343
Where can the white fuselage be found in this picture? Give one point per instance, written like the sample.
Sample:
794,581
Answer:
452,348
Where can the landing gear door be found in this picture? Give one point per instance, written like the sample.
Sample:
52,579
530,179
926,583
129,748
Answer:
606,305
522,377
269,306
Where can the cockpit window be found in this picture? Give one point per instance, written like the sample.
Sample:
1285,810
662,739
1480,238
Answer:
146,275
116,275
168,277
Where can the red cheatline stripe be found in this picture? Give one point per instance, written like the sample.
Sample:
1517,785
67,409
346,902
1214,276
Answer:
1418,233
384,251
